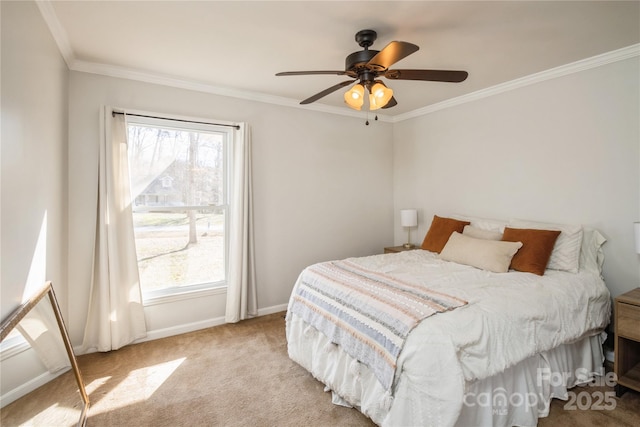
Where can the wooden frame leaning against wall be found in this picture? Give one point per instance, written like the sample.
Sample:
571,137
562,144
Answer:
13,320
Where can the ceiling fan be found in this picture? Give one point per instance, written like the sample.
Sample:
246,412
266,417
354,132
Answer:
367,66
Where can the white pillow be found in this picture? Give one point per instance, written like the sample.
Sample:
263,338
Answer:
484,223
480,233
566,252
591,254
489,255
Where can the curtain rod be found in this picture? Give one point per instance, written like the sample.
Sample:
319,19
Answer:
176,120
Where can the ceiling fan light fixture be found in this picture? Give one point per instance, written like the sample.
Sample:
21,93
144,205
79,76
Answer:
354,97
379,96
372,103
367,65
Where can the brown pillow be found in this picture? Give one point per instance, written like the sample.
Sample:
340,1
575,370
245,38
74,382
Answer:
537,246
440,231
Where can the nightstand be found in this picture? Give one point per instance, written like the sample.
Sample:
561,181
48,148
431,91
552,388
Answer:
396,249
627,342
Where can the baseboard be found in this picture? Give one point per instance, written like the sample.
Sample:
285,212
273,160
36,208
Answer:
194,326
29,386
271,310
181,329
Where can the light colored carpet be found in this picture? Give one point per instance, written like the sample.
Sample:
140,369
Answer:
233,375
230,375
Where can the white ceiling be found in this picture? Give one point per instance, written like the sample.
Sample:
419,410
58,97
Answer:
236,47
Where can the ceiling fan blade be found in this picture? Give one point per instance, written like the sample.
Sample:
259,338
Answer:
308,73
427,75
392,103
326,92
392,53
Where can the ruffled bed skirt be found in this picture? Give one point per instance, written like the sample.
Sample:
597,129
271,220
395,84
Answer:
516,397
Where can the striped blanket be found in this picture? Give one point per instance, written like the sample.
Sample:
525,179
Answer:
367,313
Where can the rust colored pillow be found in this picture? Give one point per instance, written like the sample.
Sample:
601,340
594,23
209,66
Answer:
440,231
536,249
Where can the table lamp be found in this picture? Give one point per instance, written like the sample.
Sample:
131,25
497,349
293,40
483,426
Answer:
408,219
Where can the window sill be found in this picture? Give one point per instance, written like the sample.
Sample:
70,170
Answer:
179,296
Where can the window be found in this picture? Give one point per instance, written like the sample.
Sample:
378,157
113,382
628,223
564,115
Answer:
179,192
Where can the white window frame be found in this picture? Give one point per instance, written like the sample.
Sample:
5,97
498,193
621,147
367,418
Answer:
151,297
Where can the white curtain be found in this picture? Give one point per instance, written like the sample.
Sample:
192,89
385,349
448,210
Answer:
241,283
116,315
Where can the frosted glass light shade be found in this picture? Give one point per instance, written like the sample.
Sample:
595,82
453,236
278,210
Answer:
354,97
409,217
380,96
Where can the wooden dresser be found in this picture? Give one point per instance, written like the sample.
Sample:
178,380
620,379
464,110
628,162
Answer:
627,341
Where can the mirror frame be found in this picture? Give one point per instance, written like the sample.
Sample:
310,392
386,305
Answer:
18,314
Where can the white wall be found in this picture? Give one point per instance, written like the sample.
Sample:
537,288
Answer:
565,150
322,188
34,158
33,195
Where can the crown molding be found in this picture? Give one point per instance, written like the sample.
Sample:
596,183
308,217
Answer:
57,31
164,80
563,70
60,36
148,77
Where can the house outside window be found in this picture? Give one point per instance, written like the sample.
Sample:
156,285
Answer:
179,191
166,181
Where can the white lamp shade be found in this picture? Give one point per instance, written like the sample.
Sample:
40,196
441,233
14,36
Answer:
409,217
636,230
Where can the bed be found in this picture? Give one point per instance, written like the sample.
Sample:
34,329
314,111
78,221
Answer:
495,343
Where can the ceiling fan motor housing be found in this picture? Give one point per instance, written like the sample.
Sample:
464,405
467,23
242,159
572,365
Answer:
358,60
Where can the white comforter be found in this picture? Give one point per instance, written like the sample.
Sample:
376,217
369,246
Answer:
509,317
